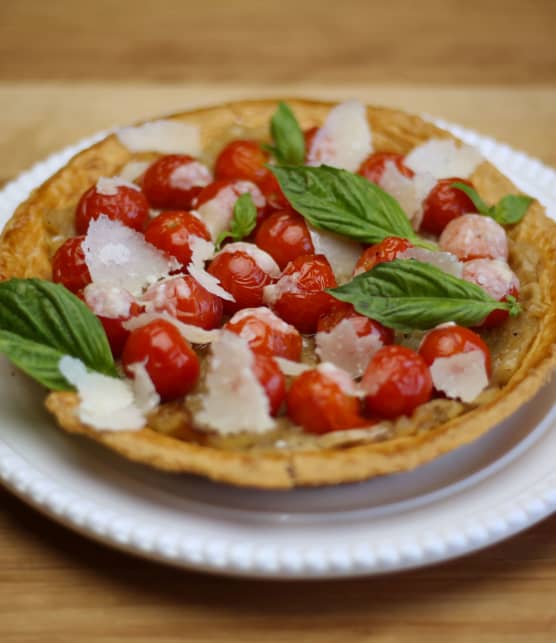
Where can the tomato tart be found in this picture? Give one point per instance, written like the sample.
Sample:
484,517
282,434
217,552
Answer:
280,293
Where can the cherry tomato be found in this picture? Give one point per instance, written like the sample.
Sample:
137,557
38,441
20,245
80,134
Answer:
373,166
169,359
443,204
266,333
184,298
397,381
271,379
68,265
318,404
362,325
242,277
242,159
128,206
284,235
452,340
174,231
387,250
114,328
309,135
474,236
298,297
499,281
272,191
173,181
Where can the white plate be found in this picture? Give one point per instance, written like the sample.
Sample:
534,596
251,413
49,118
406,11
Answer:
472,497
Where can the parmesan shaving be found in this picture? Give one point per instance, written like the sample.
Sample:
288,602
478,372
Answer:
291,368
342,253
201,251
164,136
133,170
410,193
443,158
189,175
340,377
265,314
108,301
144,390
193,334
108,186
445,261
462,376
265,262
286,283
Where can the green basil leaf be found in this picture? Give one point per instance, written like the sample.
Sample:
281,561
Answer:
481,206
406,294
288,138
345,203
38,361
244,220
511,208
50,315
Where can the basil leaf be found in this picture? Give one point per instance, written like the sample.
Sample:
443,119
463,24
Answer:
37,360
509,210
406,294
244,220
345,203
49,315
288,138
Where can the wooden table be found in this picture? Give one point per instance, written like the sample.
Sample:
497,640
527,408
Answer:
61,78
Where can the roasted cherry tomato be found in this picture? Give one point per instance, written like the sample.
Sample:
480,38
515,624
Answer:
298,297
309,135
174,231
499,281
387,250
114,328
284,235
266,333
272,191
184,298
396,382
68,265
443,204
362,325
173,181
242,159
242,277
318,403
452,340
271,379
171,363
474,236
374,165
128,206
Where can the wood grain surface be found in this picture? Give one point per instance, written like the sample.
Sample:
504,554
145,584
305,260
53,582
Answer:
68,69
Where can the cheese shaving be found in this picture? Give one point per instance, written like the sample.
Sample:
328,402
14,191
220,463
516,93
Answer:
462,376
344,141
144,390
342,253
201,251
443,158
108,301
291,368
340,377
410,193
286,283
108,186
235,401
193,334
164,136
265,314
189,175
265,262
445,261
133,170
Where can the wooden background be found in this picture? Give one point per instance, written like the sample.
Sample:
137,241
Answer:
68,69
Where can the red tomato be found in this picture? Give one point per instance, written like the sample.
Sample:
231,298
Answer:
318,404
387,250
284,235
114,328
271,379
224,194
309,135
397,381
362,325
169,359
173,181
184,298
174,231
266,333
128,206
272,191
374,165
242,159
452,340
443,204
68,265
242,277
474,236
299,297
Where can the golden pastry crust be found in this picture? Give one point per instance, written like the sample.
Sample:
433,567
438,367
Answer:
523,349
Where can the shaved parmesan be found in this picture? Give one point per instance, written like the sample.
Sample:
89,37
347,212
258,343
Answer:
189,175
344,141
119,257
342,253
265,262
444,158
286,284
106,403
344,348
133,170
410,193
462,376
492,275
193,334
164,295
108,186
108,301
235,401
203,250
340,377
166,137
265,314
445,261
289,367
144,391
